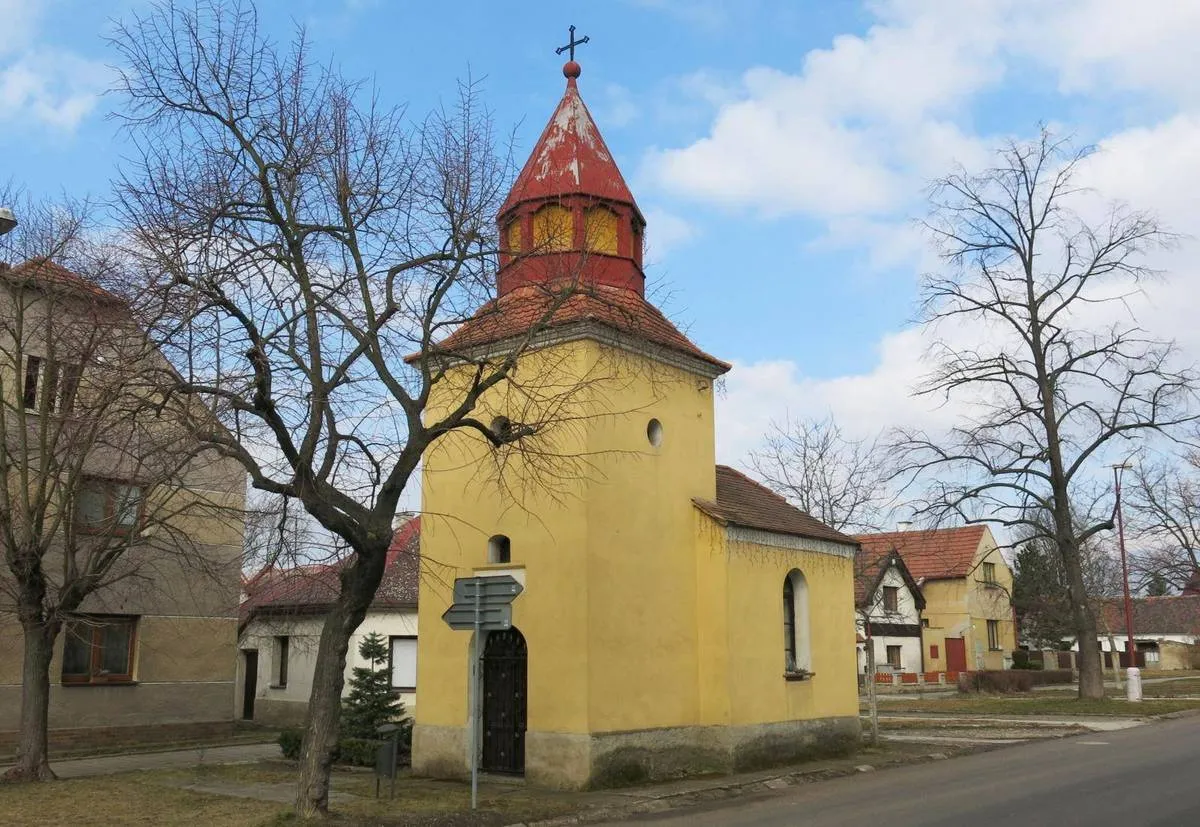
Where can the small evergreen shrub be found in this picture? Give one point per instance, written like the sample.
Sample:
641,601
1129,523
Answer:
289,743
371,702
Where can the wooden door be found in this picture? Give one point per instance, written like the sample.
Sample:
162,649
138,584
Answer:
250,688
505,668
956,654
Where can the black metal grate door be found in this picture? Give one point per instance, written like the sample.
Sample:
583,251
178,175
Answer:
505,664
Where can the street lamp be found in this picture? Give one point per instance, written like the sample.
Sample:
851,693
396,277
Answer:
8,221
1133,675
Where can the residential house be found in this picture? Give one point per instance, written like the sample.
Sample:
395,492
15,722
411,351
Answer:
150,655
280,626
967,623
889,604
1166,631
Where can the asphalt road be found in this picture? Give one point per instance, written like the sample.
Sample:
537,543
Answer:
1149,775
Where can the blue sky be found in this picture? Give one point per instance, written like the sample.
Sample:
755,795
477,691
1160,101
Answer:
779,149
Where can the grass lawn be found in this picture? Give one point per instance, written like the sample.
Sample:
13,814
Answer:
1038,704
156,798
126,800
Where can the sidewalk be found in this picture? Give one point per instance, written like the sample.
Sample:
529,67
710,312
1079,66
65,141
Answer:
173,759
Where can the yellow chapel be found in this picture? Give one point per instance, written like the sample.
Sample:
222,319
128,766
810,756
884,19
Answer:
676,617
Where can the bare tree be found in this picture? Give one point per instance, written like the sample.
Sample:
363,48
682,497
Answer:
96,463
307,250
1050,393
843,482
1164,507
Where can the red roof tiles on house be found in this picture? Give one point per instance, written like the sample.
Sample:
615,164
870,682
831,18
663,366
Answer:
623,311
310,589
42,272
1169,615
932,554
744,502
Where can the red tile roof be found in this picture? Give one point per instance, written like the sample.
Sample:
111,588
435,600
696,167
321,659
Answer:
310,589
1170,615
621,310
931,554
744,502
569,157
43,272
869,569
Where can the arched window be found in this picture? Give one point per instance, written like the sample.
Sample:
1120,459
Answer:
552,229
499,549
600,230
512,237
796,650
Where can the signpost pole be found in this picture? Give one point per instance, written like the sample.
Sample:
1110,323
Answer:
475,661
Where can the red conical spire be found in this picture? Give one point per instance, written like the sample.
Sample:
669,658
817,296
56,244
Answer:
571,168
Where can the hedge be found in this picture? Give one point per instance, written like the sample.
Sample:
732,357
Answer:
356,752
1011,680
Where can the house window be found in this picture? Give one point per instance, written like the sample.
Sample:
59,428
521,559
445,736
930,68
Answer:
402,665
893,657
924,623
933,652
499,549
795,624
989,573
891,599
994,635
107,506
99,650
281,662
50,382
552,229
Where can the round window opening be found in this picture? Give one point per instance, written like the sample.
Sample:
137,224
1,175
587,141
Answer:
654,432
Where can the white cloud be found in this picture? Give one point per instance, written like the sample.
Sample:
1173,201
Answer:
851,138
664,232
46,85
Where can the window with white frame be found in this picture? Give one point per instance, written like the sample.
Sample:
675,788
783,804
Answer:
403,663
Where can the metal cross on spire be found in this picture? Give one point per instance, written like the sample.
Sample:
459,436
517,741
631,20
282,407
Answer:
571,46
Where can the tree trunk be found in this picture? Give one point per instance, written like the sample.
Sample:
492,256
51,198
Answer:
1091,673
33,760
359,583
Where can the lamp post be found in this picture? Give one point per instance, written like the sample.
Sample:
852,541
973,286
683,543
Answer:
8,221
1133,675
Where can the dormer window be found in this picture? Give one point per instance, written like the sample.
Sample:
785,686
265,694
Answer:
552,229
600,230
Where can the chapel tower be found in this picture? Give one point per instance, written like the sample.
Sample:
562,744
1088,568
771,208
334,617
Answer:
617,665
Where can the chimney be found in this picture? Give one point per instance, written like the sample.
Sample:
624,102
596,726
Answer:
904,525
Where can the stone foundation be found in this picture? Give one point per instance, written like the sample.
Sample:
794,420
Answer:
571,761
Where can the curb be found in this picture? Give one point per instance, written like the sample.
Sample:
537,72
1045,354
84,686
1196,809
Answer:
670,801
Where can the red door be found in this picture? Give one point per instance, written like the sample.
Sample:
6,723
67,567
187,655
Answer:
956,654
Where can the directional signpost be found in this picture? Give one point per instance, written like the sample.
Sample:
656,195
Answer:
481,604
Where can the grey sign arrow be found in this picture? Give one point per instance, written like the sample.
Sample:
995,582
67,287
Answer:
493,591
461,616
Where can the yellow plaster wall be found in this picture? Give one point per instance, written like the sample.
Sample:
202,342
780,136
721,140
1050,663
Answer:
600,524
758,691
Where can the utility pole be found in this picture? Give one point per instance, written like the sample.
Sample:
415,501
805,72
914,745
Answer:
1133,675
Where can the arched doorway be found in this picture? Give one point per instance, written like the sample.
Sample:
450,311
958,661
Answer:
505,663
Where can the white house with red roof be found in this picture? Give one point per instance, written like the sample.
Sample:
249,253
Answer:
967,584
280,621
